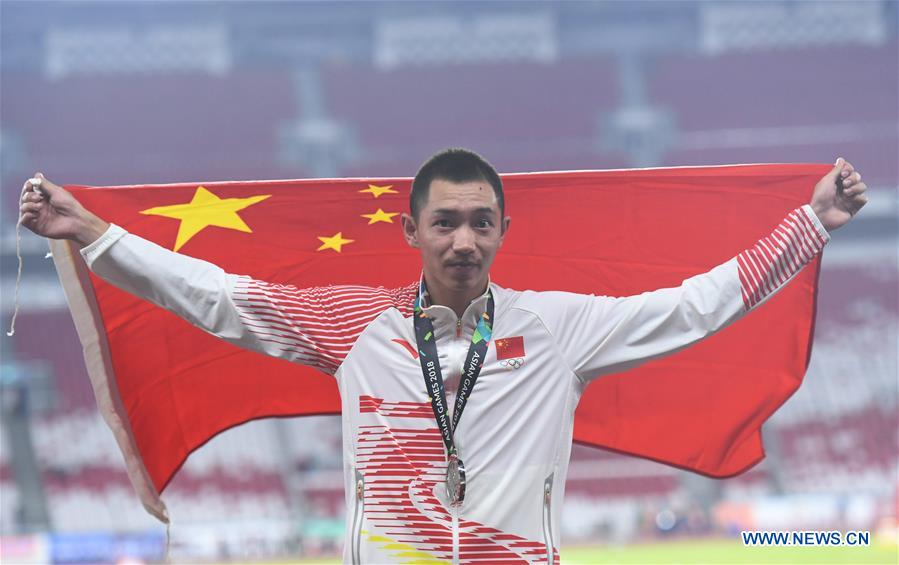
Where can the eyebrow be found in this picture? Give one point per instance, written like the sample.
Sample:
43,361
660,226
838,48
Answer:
453,211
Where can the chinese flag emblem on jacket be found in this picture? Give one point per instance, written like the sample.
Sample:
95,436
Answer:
509,348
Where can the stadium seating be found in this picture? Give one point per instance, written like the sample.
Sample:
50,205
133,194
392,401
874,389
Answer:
833,435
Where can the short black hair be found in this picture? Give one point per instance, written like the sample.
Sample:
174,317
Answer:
458,165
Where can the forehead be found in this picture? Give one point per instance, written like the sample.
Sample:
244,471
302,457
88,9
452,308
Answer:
461,197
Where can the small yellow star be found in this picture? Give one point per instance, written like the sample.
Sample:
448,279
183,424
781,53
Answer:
377,191
380,216
206,209
334,242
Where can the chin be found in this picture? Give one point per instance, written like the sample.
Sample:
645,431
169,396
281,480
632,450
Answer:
473,282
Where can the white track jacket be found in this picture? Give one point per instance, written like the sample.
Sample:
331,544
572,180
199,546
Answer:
516,436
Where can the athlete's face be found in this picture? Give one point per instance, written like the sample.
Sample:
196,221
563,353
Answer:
459,232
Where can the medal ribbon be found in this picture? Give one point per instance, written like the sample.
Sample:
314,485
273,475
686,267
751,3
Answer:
430,365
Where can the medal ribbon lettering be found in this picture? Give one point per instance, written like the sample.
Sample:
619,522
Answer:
430,368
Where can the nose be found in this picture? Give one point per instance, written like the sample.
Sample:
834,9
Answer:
463,241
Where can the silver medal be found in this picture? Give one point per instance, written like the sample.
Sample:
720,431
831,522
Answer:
455,480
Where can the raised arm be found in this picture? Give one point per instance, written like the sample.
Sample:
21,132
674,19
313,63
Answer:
313,326
601,335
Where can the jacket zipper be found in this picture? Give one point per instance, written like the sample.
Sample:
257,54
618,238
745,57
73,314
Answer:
357,519
455,512
547,519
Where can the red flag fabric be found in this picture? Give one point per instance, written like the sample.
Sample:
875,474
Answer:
166,387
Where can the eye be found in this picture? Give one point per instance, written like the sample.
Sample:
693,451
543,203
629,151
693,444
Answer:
442,223
483,223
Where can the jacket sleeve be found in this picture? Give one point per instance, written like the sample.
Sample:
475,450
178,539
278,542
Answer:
313,326
601,335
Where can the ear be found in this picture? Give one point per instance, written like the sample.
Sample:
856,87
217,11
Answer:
505,228
410,230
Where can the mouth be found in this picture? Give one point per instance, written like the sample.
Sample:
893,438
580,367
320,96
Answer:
463,266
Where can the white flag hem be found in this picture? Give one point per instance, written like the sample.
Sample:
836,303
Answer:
74,276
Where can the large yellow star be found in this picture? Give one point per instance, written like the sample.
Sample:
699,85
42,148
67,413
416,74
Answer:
334,242
206,209
380,216
377,191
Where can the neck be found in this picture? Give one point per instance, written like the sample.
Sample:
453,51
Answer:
456,300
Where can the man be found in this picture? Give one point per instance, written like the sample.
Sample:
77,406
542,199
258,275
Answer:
422,481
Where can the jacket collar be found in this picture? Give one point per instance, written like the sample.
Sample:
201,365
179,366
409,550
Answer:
426,296
444,318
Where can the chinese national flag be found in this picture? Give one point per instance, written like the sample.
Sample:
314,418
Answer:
166,387
509,347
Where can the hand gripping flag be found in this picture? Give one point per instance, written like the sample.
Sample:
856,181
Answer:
166,387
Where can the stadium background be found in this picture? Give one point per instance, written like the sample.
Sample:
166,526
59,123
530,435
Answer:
133,93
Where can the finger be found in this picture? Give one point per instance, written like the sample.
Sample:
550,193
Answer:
852,179
28,186
45,181
31,207
35,185
837,167
32,197
847,166
855,189
29,218
47,186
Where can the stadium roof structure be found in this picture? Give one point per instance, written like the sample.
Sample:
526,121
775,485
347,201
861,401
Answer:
219,34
